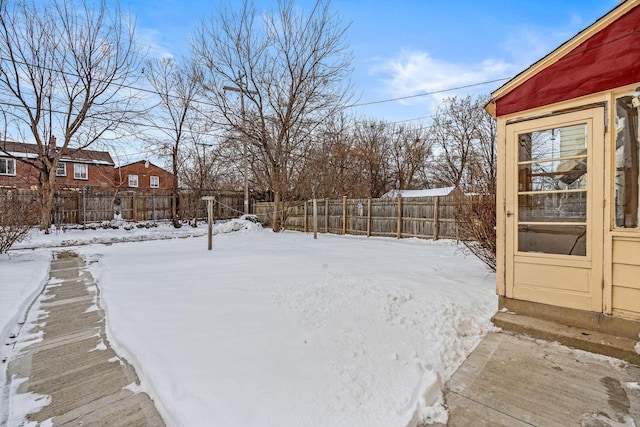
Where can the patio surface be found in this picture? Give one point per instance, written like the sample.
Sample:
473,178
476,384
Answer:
513,380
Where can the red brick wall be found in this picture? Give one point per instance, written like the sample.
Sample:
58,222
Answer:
98,176
144,171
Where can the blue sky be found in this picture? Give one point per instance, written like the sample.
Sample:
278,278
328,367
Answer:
404,47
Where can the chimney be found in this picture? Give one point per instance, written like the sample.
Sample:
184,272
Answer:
52,146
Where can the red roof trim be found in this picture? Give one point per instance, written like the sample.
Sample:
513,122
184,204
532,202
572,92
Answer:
607,60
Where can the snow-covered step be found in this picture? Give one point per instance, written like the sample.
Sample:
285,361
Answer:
580,338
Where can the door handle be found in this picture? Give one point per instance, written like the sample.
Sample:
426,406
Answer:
509,213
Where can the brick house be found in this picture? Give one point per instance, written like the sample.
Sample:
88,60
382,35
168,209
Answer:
143,177
76,169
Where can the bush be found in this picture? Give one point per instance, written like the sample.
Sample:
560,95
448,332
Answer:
476,220
17,216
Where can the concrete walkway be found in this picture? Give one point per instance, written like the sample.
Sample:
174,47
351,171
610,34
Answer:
82,380
512,380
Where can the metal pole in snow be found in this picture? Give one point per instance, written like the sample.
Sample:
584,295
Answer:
209,200
315,218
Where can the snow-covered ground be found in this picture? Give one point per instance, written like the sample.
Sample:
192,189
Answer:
22,275
279,329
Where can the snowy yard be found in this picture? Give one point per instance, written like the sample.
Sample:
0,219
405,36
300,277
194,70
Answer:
281,330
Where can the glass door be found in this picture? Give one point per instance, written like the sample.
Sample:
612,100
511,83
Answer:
554,209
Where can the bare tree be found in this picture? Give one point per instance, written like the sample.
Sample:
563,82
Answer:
65,68
290,72
17,216
465,135
454,129
485,151
203,165
366,158
372,149
331,169
177,87
410,149
476,219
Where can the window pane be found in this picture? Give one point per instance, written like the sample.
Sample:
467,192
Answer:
627,163
553,239
551,162
7,167
553,176
555,207
80,171
566,141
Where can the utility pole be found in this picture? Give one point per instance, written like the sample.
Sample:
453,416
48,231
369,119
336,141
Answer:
242,90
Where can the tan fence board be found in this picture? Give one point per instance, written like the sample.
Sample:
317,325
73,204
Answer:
417,216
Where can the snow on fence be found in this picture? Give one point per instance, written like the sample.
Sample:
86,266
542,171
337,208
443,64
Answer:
78,207
424,217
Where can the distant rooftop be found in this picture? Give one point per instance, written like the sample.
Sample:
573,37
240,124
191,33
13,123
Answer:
431,192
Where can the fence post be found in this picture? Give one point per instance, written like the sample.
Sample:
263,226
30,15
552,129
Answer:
326,216
210,200
80,211
436,220
344,214
399,234
315,219
369,217
304,222
134,206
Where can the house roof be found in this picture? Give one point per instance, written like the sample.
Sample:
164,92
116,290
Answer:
601,57
23,150
431,192
143,161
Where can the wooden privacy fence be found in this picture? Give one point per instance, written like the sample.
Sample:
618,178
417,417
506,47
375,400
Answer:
424,217
78,207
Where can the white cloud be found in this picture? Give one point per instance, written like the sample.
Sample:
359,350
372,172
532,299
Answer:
150,40
414,72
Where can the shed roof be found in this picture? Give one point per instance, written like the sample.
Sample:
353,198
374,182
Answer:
430,192
601,57
149,164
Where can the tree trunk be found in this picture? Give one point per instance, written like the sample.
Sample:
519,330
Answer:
276,211
175,197
46,192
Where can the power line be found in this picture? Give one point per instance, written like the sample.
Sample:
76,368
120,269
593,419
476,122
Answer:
203,102
346,106
428,93
123,121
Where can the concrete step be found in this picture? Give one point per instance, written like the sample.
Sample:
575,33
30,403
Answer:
579,338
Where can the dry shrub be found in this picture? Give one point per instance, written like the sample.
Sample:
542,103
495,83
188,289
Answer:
476,220
18,214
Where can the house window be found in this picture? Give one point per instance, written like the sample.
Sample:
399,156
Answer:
80,171
7,166
61,170
133,180
627,154
154,182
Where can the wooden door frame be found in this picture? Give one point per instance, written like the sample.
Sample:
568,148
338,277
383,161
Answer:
595,118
